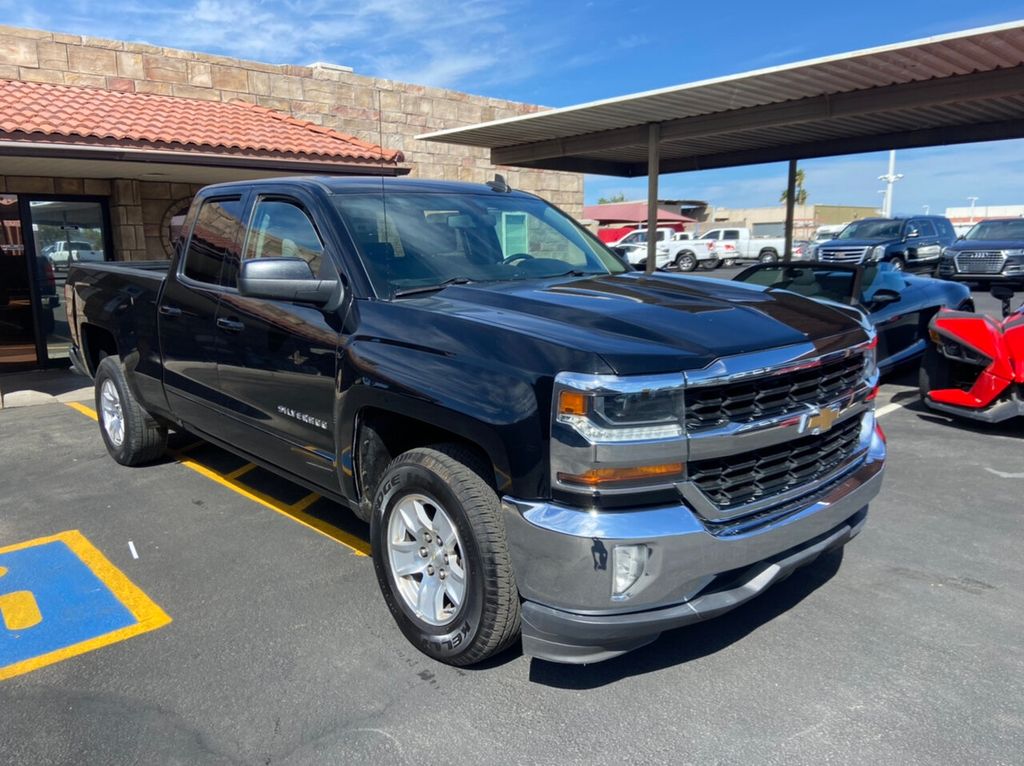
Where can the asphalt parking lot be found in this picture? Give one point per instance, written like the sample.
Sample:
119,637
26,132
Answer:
279,649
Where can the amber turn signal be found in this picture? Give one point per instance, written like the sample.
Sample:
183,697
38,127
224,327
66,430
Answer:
597,477
572,403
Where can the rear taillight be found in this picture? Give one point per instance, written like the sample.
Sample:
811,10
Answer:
880,432
48,273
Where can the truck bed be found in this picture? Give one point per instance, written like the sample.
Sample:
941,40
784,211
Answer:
119,298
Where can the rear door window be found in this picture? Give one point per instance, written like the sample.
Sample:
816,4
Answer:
731,234
213,249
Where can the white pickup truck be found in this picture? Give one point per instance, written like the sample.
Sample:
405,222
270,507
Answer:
737,244
63,253
680,252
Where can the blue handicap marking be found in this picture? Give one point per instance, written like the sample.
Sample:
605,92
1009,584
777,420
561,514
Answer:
59,596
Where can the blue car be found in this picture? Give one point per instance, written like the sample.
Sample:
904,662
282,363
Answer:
899,305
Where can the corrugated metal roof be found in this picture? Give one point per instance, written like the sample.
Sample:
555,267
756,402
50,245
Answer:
951,88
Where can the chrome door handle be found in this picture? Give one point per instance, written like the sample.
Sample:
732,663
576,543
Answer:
230,325
170,311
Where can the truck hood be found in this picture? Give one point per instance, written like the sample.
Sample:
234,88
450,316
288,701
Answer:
640,324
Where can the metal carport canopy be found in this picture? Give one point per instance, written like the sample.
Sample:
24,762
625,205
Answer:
956,88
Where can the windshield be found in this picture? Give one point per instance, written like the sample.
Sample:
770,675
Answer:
813,282
827,283
872,230
993,230
411,241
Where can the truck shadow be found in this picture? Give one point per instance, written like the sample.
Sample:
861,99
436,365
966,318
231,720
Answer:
695,642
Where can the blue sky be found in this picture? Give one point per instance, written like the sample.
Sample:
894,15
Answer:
561,53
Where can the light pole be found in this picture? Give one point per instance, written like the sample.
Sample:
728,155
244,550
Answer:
927,209
890,178
972,200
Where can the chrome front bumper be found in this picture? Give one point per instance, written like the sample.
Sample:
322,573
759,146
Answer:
562,559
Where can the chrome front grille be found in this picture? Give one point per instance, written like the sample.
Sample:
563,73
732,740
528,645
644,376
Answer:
842,254
759,475
770,396
980,262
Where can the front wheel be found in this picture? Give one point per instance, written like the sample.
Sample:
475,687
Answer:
934,374
440,555
897,264
686,261
131,435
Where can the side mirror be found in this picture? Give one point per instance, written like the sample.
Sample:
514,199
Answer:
913,234
284,279
884,296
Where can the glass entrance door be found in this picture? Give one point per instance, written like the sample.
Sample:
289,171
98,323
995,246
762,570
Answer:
17,320
63,232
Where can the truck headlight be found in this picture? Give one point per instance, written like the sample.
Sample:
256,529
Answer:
877,253
617,432
871,358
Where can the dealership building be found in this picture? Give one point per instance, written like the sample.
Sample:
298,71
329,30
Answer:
103,143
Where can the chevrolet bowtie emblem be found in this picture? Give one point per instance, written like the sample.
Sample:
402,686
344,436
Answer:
297,359
821,421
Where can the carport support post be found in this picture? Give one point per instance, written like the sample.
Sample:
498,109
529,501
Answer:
653,169
790,202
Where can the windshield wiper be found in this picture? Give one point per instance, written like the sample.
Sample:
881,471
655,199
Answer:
432,288
573,273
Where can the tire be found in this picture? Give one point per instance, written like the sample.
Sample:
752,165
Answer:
897,263
767,256
444,479
686,261
131,435
712,264
934,373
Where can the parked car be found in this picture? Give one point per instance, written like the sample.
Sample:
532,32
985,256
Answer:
542,441
674,254
914,244
973,368
639,237
65,252
992,252
737,244
898,305
824,233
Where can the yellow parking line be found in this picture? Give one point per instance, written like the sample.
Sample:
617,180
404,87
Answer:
295,512
359,546
89,412
240,472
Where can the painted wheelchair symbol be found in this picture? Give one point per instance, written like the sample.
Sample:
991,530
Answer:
19,609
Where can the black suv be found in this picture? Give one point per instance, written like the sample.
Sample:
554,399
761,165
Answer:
914,243
991,252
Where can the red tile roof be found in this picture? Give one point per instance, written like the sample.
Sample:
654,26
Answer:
79,115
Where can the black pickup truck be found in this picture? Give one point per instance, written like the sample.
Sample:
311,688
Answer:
544,442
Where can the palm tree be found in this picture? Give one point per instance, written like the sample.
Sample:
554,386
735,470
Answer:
801,192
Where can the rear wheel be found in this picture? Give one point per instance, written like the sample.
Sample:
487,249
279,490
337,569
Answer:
441,558
712,264
686,261
767,256
131,435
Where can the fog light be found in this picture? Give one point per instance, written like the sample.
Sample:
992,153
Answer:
628,565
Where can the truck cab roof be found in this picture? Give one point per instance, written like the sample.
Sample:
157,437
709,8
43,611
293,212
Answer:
361,185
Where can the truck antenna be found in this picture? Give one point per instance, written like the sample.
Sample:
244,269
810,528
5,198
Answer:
499,184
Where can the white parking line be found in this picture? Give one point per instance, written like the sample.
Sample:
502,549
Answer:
892,407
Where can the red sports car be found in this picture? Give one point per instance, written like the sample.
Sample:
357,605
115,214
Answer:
974,367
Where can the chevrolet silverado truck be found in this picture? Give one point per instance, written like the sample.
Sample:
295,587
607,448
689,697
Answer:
544,442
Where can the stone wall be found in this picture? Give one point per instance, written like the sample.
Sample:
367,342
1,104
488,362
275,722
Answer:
373,109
